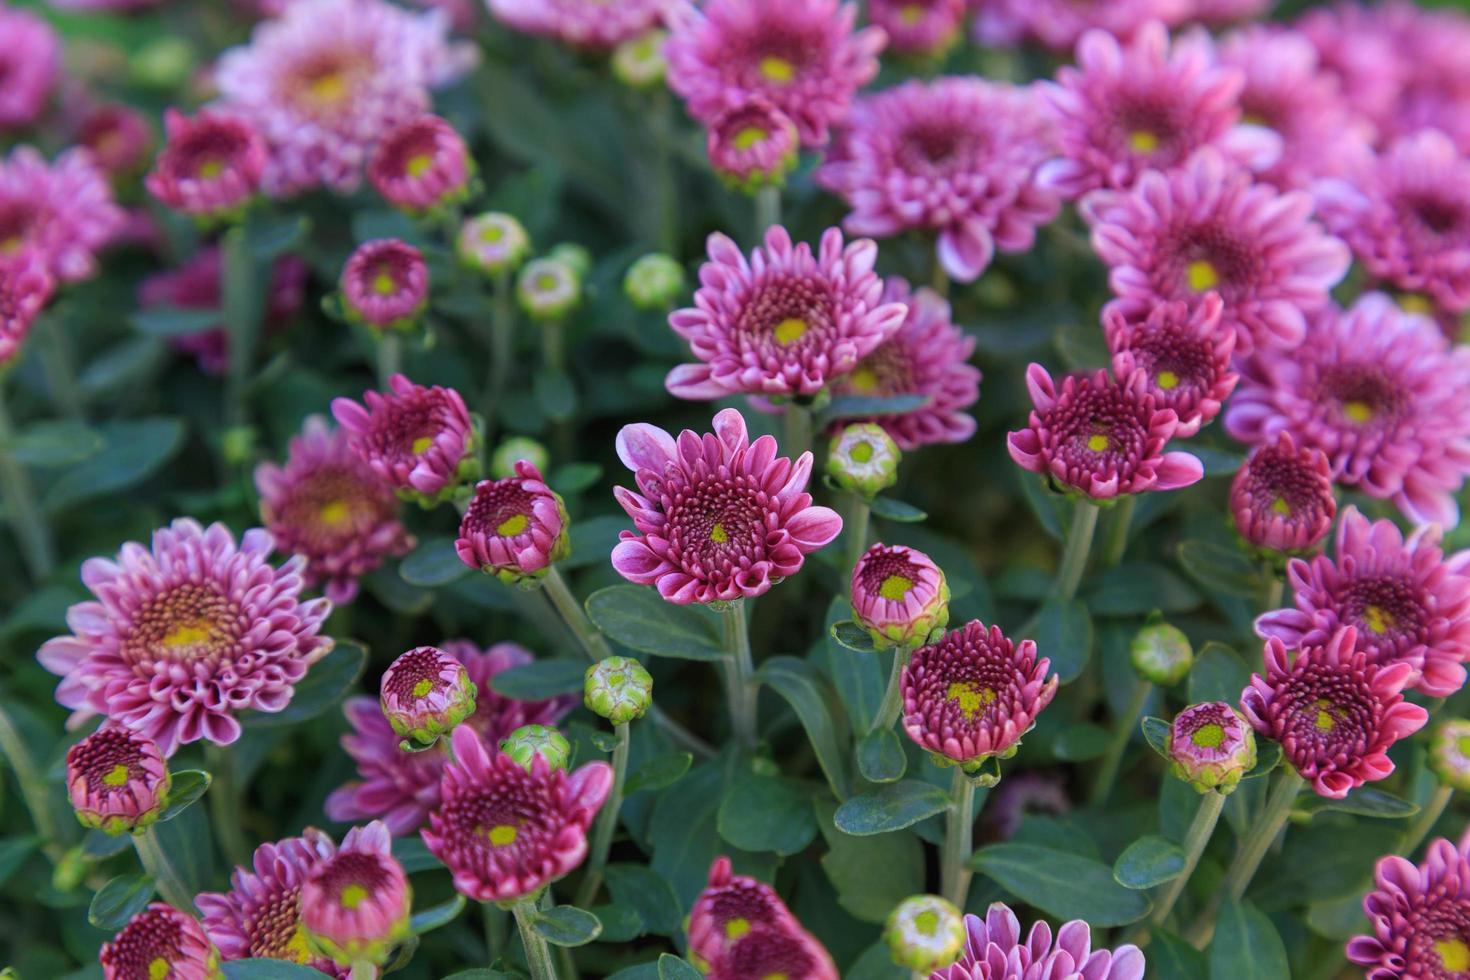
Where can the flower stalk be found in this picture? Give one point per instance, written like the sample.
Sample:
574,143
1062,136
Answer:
742,693
225,805
607,821
959,829
26,520
1120,523
798,434
390,357
892,704
1426,819
767,209
1107,769
158,863
1077,548
1201,828
538,953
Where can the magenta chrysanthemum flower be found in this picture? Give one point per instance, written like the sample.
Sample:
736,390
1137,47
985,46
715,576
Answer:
972,694
1211,747
1216,12
402,787
30,63
1334,713
118,138
160,941
184,634
1381,392
1059,24
210,166
422,165
802,56
260,917
752,145
899,596
385,284
1281,498
1407,218
1418,916
957,158
1183,353
928,355
1409,603
63,211
925,28
785,322
796,955
327,79
733,907
503,831
718,517
419,440
514,528
994,950
1146,105
25,288
425,693
354,904
1100,437
117,780
1359,49
331,508
592,24
1207,226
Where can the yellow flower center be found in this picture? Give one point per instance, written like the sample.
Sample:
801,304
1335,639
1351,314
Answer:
418,165
718,534
423,687
1357,411
1097,443
421,444
546,282
1142,141
330,87
736,928
862,452
491,233
1202,275
188,634
335,514
1415,303
971,698
1168,380
1325,721
748,137
1280,506
1462,744
863,379
116,776
383,283
296,950
926,923
1378,620
1453,953
1210,736
512,525
895,587
353,896
158,969
210,169
790,330
777,69
502,834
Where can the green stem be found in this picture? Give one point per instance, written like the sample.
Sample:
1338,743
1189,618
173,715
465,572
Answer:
225,805
940,281
242,310
1107,769
502,345
798,436
1274,589
955,873
588,638
858,518
553,346
1426,819
667,186
607,822
390,357
892,703
35,789
1121,522
1074,553
157,862
767,210
26,520
742,694
538,954
494,920
1195,839
54,348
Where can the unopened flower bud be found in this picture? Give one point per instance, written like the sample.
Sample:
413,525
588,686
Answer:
425,693
579,257
1449,753
548,288
529,741
492,243
899,596
863,459
511,451
753,145
1161,653
354,905
639,62
1212,747
619,689
925,933
654,282
117,780
514,528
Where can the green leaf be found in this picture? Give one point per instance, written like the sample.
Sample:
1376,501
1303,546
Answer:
639,971
1080,742
173,321
870,874
1151,860
811,696
853,637
1064,634
1220,568
1246,946
1268,757
880,757
567,925
593,541
188,786
1218,674
554,394
1050,508
1364,801
605,741
133,450
620,923
53,443
540,679
432,564
766,813
1156,734
119,900
890,807
574,478
431,918
1217,462
864,406
670,967
1067,886
1171,958
327,682
271,236
1338,918
414,855
1136,589
641,888
658,773
896,510
641,620
270,970
13,854
1324,861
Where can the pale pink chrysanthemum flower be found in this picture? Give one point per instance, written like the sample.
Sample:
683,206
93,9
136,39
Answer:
30,64
1381,392
63,211
1359,49
1059,24
1184,354
117,780
25,288
592,24
1221,12
1434,48
327,79
421,166
385,284
419,439
1417,914
1100,437
1281,498
402,787
514,528
118,137
1409,602
187,632
718,517
1334,713
160,941
260,916
354,904
752,145
211,166
787,321
926,28
332,509
995,950
504,830
803,56
1208,227
1406,216
928,355
957,158
1146,105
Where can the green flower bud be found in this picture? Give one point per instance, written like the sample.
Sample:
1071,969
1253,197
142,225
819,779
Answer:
579,257
1449,753
492,243
513,450
654,282
639,62
548,288
529,741
1161,653
619,689
925,933
863,459
163,63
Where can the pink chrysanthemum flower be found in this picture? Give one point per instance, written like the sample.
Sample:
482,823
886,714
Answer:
1430,70
403,787
30,63
425,693
354,905
718,517
260,917
972,694
1101,437
1409,603
1407,219
796,955
994,950
1211,747
331,508
503,831
514,528
117,780
1207,226
926,28
160,941
25,288
732,907
1418,916
1059,24
928,355
1217,12
1183,353
210,166
752,145
785,322
118,138
385,284
1381,392
329,78
1147,105
802,56
1334,713
422,165
1281,498
1359,50
419,440
899,596
184,634
592,24
63,211
957,158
